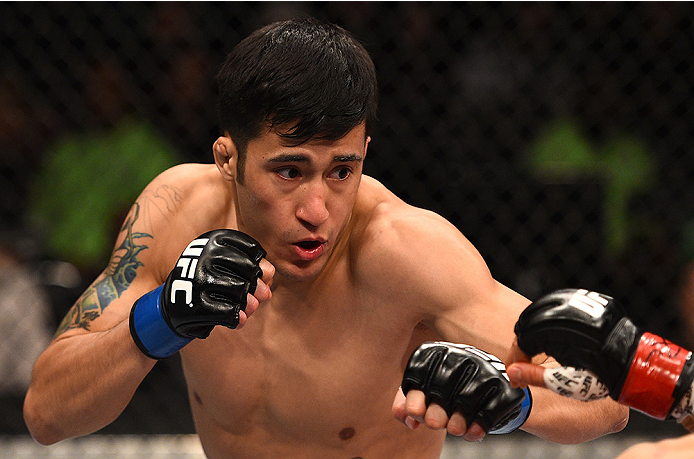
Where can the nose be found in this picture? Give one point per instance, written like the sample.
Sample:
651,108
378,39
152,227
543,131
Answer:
312,208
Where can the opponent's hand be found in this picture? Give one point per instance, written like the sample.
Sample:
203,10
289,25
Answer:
217,280
605,352
461,389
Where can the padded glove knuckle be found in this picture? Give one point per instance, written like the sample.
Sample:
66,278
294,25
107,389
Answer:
219,274
580,329
466,380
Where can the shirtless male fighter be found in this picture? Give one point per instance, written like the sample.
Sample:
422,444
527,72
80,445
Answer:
324,282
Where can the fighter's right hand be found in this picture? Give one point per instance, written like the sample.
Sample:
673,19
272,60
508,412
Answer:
590,331
209,286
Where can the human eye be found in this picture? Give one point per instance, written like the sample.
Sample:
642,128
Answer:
288,173
341,173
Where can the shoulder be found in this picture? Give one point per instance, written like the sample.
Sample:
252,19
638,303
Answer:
390,224
184,189
177,206
671,447
419,266
412,246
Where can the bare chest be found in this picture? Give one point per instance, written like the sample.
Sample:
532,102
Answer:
302,372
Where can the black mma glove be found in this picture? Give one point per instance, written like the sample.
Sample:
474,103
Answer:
588,330
467,380
208,287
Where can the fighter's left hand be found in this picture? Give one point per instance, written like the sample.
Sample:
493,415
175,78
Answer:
413,412
461,389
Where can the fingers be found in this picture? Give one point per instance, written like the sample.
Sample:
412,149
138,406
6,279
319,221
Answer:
415,408
520,371
415,405
435,417
457,426
474,433
262,292
242,320
522,374
268,272
412,411
400,411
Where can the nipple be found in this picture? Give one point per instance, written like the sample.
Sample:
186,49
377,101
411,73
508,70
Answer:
346,433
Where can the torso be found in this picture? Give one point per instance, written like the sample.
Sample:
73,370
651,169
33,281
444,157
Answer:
302,380
311,374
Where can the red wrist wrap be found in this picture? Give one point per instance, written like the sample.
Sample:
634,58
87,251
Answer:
653,375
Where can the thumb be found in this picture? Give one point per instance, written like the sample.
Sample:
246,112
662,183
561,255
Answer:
522,374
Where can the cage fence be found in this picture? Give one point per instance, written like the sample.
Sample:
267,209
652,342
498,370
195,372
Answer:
555,136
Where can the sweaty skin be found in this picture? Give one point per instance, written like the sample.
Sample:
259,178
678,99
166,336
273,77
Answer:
358,279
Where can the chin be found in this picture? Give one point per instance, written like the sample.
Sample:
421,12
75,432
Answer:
300,272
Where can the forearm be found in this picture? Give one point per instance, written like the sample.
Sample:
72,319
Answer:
556,418
82,383
562,420
84,380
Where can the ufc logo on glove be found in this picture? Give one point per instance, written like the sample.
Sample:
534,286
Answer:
217,272
188,262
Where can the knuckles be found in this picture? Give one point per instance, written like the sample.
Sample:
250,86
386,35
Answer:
579,329
573,317
212,279
464,380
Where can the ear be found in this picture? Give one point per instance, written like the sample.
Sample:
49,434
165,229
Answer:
226,157
366,145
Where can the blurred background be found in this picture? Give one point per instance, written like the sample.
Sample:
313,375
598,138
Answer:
556,136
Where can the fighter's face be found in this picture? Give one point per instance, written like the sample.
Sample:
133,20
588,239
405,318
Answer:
296,200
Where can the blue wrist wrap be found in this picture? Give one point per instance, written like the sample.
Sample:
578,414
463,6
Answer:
518,421
149,329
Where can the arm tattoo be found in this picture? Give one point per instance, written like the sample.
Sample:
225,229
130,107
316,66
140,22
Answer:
113,282
122,267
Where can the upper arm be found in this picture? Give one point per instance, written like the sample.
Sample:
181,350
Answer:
443,280
134,268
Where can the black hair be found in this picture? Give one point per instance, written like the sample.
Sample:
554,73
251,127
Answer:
313,79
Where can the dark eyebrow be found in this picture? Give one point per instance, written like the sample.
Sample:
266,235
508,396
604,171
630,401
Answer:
297,158
347,158
288,158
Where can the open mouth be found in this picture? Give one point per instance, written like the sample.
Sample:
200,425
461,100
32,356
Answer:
309,249
309,245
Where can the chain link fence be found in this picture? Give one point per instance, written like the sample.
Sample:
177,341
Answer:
555,136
